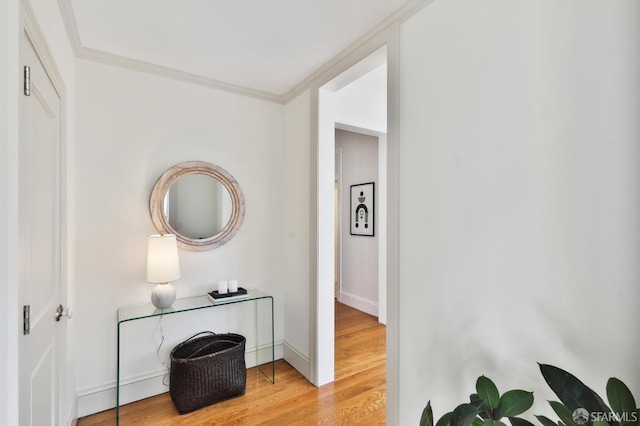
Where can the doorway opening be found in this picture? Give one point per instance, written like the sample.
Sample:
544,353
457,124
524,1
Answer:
350,105
361,252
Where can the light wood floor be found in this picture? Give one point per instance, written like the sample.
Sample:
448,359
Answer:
356,397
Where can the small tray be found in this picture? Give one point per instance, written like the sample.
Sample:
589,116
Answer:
241,291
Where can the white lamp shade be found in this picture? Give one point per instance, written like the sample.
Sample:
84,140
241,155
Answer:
163,264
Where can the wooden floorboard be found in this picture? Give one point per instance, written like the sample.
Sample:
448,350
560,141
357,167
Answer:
356,397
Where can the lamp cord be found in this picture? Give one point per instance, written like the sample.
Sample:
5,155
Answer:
164,364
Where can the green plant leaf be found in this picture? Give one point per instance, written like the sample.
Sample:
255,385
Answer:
622,402
427,415
477,422
483,410
444,420
488,391
515,402
546,421
518,421
572,392
463,415
491,422
475,400
563,412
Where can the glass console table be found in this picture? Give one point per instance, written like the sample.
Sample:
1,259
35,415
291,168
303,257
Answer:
137,312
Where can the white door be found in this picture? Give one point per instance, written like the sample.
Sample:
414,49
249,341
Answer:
40,239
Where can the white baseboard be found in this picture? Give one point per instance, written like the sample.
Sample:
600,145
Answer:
101,398
297,360
359,303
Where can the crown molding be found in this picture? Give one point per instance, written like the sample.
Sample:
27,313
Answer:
95,55
69,19
81,52
172,73
324,73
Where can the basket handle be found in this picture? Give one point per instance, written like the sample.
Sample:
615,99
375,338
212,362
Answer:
211,333
193,355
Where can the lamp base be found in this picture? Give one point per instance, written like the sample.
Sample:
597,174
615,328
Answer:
163,296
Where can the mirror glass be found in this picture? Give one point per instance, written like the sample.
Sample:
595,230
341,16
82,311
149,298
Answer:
200,202
197,206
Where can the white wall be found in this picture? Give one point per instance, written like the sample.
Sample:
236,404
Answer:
519,197
359,285
131,128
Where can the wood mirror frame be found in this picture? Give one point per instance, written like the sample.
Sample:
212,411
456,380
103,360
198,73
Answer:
156,204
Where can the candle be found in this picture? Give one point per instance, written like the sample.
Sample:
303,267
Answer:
233,286
223,287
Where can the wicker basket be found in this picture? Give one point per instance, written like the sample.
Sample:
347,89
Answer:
207,368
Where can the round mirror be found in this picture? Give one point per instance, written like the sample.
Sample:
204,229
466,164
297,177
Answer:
197,206
199,202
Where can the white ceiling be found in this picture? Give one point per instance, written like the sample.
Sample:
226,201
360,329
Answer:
373,83
264,46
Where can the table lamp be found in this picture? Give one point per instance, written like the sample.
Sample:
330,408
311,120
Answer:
163,266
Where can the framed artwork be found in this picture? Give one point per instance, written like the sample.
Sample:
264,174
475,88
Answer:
362,211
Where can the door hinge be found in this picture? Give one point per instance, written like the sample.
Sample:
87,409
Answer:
26,319
27,80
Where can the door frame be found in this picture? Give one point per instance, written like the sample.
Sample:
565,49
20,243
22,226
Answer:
321,330
31,29
9,317
338,224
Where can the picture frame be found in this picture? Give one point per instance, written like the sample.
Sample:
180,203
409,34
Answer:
362,206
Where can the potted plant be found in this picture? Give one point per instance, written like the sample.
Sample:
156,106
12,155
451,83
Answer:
579,405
